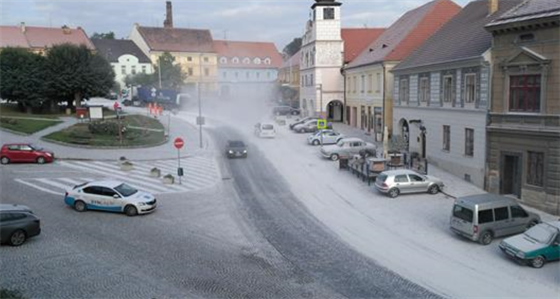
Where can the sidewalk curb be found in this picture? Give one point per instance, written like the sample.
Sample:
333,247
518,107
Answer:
104,147
15,132
140,160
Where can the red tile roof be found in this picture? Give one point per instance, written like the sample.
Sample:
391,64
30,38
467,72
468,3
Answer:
357,39
408,33
42,37
177,39
251,50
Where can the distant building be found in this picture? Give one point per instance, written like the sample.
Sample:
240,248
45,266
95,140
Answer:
247,69
524,122
125,58
193,49
40,39
369,82
326,48
288,76
442,90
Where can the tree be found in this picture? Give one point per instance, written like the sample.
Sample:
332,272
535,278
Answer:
109,35
293,47
172,75
140,79
75,73
22,74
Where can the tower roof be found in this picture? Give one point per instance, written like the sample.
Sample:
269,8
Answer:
325,3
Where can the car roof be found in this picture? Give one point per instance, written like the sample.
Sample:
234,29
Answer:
352,139
235,141
399,172
556,224
105,183
485,199
13,207
16,144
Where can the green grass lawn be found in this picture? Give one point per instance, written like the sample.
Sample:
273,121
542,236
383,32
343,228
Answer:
27,126
5,294
81,133
13,110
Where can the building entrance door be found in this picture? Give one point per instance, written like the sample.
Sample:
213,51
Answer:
511,174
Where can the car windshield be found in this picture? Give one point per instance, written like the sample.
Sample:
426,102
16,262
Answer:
236,144
340,143
36,147
125,190
541,233
267,127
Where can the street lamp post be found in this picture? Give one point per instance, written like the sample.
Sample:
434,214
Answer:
159,72
320,88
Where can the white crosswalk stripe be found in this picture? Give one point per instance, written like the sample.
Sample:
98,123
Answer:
199,173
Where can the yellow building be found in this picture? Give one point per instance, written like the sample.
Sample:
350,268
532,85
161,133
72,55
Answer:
192,48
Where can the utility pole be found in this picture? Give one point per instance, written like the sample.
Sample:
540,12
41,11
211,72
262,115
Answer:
159,72
199,121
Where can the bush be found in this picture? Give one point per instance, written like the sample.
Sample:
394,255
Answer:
7,294
104,128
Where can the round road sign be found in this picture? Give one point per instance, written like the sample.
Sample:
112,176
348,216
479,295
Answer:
179,143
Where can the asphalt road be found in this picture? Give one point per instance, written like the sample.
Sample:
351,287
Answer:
247,237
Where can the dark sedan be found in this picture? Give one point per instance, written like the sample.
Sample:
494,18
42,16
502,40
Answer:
17,224
236,149
285,110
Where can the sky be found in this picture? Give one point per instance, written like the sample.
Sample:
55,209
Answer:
277,21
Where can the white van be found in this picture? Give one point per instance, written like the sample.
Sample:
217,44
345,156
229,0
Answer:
265,130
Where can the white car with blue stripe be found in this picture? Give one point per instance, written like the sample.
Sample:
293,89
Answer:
112,196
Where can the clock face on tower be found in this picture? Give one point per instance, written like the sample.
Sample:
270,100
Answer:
328,13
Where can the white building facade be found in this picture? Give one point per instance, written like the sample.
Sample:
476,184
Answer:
322,56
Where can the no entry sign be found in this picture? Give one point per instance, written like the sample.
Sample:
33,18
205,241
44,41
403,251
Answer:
179,143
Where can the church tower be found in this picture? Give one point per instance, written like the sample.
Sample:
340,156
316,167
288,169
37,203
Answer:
321,59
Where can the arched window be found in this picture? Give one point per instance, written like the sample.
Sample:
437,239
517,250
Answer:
257,60
235,60
246,60
223,60
267,61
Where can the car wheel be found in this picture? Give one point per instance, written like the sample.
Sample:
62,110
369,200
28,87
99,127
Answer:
532,223
41,160
5,160
17,238
130,211
393,193
300,131
538,262
433,189
315,142
335,157
80,206
486,238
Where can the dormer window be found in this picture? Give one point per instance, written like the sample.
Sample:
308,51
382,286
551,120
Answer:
528,37
267,61
235,60
246,60
223,60
257,61
328,13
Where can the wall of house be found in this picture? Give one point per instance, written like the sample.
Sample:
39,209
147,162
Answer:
129,65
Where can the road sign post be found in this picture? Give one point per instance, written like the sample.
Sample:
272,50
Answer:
321,125
179,143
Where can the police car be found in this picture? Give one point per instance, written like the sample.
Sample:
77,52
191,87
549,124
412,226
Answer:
112,196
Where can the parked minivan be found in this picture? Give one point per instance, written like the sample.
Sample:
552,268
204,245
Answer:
483,217
265,130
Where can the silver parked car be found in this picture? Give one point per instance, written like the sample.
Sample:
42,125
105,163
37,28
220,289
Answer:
346,148
17,224
395,182
483,217
325,136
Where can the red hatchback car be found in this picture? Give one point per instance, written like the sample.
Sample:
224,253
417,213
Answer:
21,152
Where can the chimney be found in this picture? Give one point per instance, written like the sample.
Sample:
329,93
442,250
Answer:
66,30
493,6
22,27
168,23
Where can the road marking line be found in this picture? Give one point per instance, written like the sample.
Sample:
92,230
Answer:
52,182
36,187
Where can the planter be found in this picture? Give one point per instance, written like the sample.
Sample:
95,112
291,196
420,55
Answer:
127,166
155,172
169,179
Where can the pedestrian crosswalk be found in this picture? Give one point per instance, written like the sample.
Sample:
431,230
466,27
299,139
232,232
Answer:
199,173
